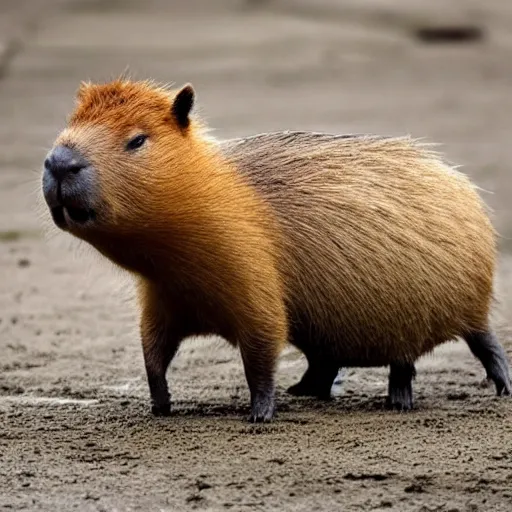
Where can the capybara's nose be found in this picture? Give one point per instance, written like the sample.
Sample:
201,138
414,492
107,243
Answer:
63,161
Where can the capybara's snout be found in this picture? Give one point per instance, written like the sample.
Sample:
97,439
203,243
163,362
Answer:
68,186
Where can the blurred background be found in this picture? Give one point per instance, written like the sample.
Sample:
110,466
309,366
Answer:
257,65
436,69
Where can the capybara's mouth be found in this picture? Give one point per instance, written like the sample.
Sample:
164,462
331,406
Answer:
64,215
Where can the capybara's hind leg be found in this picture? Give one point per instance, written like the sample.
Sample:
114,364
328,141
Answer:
400,394
486,347
318,379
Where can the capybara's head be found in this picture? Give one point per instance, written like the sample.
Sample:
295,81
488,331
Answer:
123,141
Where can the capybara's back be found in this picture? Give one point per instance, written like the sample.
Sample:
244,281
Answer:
388,250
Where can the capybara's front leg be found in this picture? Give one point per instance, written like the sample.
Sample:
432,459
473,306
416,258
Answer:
260,358
160,341
159,348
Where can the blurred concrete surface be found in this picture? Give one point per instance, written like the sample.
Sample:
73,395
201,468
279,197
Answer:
264,65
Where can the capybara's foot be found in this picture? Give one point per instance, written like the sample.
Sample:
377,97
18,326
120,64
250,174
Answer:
501,378
400,399
161,409
486,347
262,408
317,381
308,388
302,389
400,396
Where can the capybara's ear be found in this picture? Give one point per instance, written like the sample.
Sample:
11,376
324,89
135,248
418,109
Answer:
182,105
82,88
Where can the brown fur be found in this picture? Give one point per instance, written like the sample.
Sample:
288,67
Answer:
388,251
370,250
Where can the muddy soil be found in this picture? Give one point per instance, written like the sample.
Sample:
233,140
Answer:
75,429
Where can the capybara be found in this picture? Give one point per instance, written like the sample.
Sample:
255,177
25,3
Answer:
359,250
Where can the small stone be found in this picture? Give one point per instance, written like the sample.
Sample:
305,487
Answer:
414,488
194,497
201,485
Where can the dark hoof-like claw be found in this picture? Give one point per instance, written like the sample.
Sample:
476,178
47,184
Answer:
263,418
499,374
317,381
503,388
161,410
300,389
486,347
400,402
262,410
305,389
267,418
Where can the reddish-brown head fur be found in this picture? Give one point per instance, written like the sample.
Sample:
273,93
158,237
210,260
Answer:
107,117
123,105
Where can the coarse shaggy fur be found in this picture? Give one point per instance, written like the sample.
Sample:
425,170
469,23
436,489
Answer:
388,251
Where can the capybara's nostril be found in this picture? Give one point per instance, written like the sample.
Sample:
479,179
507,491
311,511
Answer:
64,160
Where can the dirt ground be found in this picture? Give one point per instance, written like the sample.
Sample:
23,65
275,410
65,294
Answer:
75,429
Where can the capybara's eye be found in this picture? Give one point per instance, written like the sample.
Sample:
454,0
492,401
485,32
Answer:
136,142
